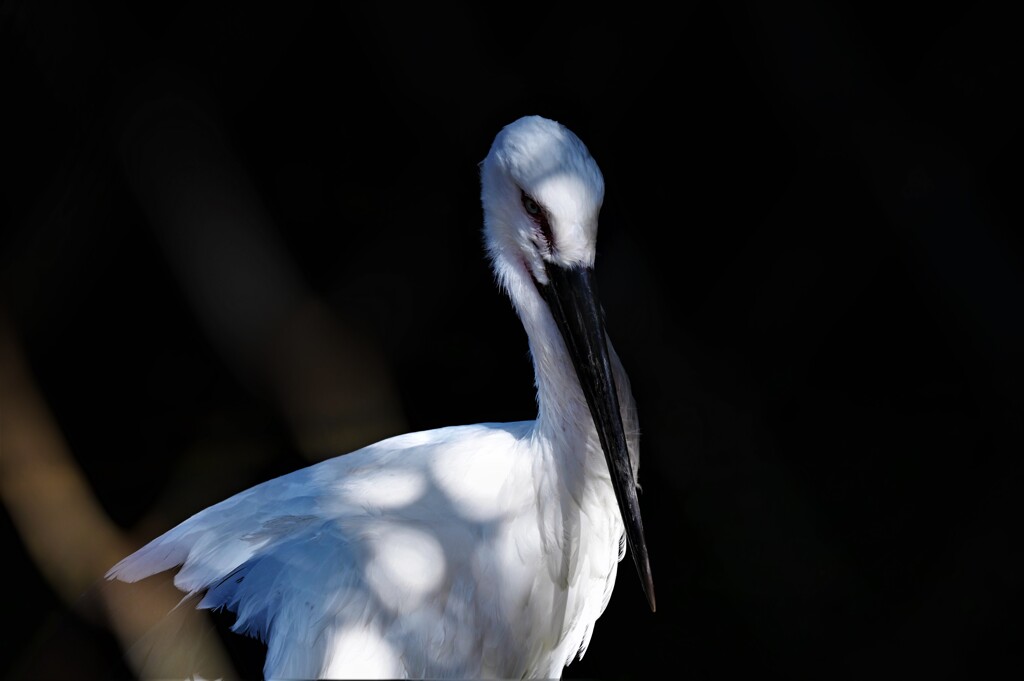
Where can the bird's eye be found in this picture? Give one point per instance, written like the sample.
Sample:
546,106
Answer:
531,206
539,218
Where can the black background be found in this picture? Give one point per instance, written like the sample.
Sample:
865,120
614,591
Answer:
809,261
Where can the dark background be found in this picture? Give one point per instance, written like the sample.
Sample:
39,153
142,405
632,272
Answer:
809,259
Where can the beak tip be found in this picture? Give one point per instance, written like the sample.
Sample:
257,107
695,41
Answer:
648,583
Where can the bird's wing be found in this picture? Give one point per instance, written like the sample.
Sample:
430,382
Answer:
326,557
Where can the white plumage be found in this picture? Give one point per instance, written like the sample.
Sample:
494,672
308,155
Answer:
471,551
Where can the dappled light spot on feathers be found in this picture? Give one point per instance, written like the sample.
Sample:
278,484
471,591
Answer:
472,481
362,652
388,489
407,565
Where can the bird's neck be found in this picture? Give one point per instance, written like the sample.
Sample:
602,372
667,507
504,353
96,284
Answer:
564,431
580,527
565,425
563,416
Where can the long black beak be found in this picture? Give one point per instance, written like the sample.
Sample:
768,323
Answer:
571,294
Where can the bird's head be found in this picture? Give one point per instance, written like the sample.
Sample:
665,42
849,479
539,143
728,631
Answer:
542,194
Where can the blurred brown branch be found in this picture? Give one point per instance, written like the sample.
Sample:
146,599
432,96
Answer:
331,382
63,526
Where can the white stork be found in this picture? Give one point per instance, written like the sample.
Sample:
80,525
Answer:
485,550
